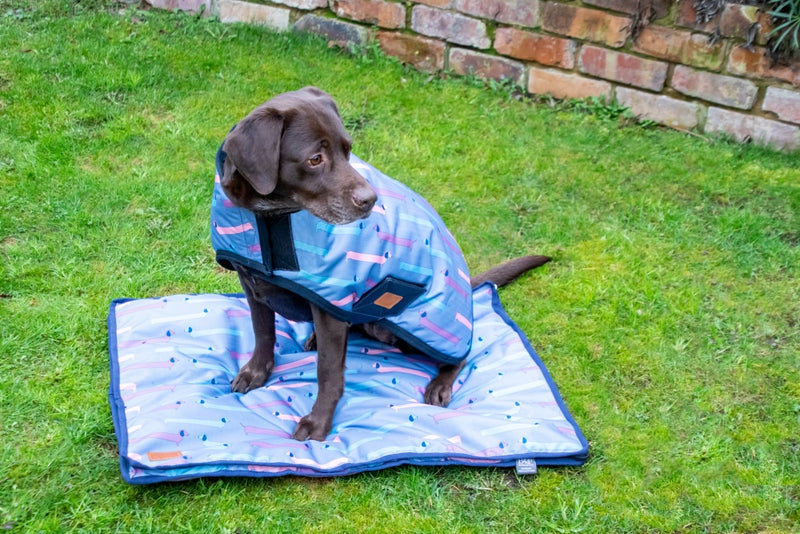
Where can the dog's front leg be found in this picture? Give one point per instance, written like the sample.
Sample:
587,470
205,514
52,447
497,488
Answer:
255,373
440,388
331,350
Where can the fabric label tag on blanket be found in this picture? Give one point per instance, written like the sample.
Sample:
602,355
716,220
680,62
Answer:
527,466
173,358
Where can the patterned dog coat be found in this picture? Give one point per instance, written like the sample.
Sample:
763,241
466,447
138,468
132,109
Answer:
400,267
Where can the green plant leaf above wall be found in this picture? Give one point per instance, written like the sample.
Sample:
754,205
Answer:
785,37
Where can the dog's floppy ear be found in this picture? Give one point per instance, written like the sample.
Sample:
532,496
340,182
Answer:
253,149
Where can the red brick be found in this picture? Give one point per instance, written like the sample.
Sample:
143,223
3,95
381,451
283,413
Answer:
757,129
383,14
680,46
303,4
562,84
736,20
464,61
725,90
588,24
687,16
660,7
338,33
237,11
785,104
625,68
757,64
520,12
660,108
424,54
452,27
434,3
767,25
543,49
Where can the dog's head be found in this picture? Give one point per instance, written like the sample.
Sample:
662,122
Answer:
292,153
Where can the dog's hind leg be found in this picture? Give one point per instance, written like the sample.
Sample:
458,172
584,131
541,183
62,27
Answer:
440,389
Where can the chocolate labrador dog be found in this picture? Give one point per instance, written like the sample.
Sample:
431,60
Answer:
290,154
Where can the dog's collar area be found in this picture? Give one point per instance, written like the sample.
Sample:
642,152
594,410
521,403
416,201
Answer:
277,243
275,205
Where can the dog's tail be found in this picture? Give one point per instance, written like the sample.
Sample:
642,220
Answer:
508,271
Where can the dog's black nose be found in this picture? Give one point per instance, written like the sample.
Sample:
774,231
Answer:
364,198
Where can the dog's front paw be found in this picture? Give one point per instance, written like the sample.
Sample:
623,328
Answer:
438,392
313,427
250,377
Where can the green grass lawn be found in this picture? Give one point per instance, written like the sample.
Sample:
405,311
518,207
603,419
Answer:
670,318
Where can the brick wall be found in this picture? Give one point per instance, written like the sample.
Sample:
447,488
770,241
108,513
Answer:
673,72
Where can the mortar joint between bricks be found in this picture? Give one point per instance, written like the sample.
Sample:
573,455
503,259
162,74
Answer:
702,118
295,15
491,30
758,103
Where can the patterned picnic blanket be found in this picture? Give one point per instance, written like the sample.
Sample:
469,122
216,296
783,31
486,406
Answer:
173,358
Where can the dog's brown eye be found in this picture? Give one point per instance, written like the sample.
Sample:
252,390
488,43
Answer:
315,160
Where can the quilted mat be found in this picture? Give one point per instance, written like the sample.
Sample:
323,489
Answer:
173,358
